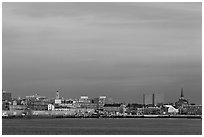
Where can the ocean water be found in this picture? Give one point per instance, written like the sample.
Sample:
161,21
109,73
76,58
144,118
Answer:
68,126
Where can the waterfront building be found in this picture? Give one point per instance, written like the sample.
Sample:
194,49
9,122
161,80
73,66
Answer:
109,101
14,102
84,99
68,101
38,105
192,109
132,108
112,108
67,105
96,102
18,102
182,101
149,111
51,107
88,105
58,101
169,109
102,100
61,108
6,96
5,105
123,108
17,107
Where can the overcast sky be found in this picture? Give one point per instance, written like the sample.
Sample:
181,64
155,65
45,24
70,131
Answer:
120,50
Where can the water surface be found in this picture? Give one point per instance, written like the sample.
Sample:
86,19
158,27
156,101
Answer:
102,126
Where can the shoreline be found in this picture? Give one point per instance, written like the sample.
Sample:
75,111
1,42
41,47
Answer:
108,117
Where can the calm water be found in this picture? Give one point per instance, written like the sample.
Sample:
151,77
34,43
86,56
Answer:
102,126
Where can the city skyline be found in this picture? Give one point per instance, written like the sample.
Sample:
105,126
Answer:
145,98
121,50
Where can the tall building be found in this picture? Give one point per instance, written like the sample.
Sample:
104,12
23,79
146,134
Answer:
6,96
102,99
57,98
57,95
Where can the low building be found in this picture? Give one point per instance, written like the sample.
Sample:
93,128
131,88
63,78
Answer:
68,101
109,101
123,108
38,105
5,105
112,108
192,110
149,111
169,109
13,113
132,108
17,107
88,105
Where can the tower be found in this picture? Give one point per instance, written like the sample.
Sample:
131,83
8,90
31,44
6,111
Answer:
153,99
182,97
57,95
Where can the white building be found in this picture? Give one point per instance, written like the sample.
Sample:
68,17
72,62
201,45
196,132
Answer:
83,99
171,109
58,101
51,107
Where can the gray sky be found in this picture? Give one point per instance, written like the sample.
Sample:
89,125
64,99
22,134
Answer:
120,50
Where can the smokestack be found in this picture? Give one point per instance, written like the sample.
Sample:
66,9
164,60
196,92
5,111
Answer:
182,93
153,99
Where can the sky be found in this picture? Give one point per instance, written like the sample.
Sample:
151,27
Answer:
121,50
